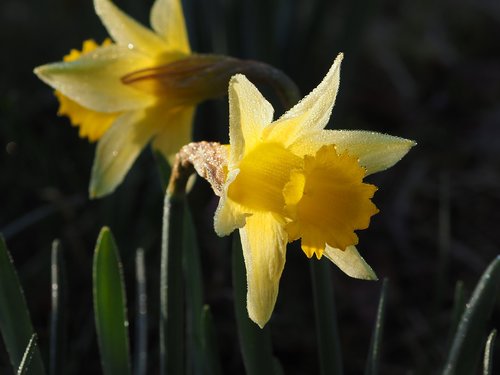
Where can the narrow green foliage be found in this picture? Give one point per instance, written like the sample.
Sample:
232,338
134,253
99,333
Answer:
196,359
255,342
15,322
110,306
372,363
172,320
164,169
141,316
467,345
488,353
209,344
330,357
58,311
27,357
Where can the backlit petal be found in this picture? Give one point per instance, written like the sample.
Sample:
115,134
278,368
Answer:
311,113
376,151
167,19
350,262
176,128
128,32
264,246
249,113
92,124
229,215
94,80
118,149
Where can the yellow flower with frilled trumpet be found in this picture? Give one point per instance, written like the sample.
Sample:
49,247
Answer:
94,92
291,179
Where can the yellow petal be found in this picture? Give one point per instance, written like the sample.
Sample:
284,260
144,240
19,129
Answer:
375,151
264,247
118,149
167,19
176,129
92,124
334,202
229,215
128,32
350,262
311,113
264,172
94,80
249,113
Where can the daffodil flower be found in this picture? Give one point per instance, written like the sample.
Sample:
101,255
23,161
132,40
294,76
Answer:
291,179
93,91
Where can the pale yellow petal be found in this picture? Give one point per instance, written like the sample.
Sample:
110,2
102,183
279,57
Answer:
376,151
350,262
167,19
312,113
128,32
176,130
264,249
229,214
249,114
118,149
94,80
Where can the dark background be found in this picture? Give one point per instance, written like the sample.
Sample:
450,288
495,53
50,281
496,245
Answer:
427,70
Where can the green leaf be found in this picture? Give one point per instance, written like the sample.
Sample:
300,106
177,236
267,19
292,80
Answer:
372,363
110,306
329,352
28,356
255,343
141,316
466,348
58,311
194,298
488,353
171,324
164,168
209,344
15,322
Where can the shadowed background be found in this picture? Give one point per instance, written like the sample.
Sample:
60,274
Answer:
428,71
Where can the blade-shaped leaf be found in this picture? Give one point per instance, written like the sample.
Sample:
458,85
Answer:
488,353
466,348
372,363
15,322
209,344
164,168
58,311
255,343
330,357
27,357
196,359
141,316
172,320
110,306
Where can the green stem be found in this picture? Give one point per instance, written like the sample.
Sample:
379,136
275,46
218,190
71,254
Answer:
330,358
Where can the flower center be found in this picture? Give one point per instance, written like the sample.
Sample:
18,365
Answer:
327,201
264,172
92,124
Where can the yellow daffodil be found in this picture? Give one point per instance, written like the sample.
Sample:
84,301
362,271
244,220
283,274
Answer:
291,179
94,91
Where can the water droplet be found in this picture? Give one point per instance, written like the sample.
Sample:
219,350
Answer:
130,46
114,153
